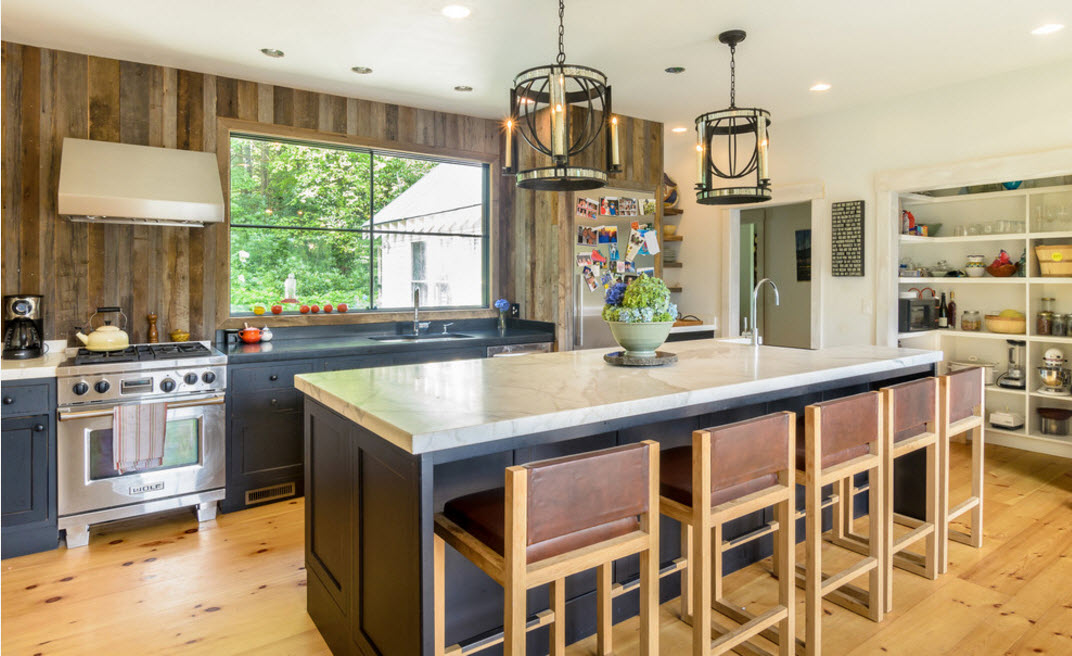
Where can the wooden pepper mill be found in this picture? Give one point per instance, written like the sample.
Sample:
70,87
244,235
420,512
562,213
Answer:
154,337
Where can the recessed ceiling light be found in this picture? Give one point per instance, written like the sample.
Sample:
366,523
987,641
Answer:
272,52
361,70
462,87
678,129
821,86
1048,28
674,70
456,11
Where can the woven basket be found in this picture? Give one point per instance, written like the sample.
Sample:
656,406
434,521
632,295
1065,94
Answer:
1055,260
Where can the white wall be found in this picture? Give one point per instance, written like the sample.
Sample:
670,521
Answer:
1012,113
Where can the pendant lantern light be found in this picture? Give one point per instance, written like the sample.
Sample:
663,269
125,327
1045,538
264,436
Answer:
561,110
729,174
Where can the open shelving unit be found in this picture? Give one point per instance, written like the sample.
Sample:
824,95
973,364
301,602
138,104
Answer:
663,240
1035,207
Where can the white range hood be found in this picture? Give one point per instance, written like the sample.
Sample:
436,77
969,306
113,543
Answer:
106,182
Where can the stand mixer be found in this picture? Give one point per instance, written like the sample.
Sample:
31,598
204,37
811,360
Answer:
1055,377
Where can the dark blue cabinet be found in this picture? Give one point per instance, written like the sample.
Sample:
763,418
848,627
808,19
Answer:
28,468
265,437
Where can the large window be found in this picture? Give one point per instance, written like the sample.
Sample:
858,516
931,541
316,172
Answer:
354,226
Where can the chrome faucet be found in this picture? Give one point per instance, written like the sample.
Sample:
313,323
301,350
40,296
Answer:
755,295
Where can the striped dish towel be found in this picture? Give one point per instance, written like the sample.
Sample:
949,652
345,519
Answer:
138,436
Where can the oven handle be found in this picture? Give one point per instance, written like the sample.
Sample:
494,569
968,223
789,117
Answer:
65,415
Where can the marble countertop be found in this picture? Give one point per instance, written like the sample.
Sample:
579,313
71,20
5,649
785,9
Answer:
42,367
431,407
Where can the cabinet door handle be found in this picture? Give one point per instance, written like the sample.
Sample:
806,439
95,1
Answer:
38,428
8,400
275,401
273,377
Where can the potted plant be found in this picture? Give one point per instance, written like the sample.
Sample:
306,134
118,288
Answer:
640,315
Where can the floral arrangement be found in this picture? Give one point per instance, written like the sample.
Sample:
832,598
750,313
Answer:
502,305
645,300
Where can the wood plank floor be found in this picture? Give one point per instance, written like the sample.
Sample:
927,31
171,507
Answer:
237,585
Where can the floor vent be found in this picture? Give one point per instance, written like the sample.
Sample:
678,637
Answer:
272,493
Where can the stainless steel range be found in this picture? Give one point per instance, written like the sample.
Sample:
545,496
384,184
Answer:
140,431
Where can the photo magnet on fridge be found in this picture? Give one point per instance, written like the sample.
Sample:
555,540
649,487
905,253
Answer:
589,279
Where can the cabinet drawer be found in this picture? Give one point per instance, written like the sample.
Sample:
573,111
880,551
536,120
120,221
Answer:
266,377
267,402
26,399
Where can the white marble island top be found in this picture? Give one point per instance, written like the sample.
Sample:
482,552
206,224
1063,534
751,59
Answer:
430,407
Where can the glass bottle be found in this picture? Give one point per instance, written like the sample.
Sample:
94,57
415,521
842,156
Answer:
290,289
943,313
951,310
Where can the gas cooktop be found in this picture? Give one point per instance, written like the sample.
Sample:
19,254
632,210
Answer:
144,353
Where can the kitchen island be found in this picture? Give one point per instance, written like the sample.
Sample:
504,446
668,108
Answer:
387,447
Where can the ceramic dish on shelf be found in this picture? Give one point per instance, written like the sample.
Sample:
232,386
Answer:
996,323
1002,270
976,266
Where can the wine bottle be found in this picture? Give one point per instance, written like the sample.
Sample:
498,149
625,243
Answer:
943,313
951,310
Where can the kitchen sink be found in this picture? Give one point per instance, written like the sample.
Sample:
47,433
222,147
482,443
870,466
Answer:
431,337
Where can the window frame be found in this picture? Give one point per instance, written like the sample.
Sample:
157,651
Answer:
227,128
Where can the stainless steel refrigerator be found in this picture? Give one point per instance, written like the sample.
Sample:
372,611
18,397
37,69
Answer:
589,329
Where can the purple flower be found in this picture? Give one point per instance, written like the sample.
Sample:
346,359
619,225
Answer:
502,305
616,293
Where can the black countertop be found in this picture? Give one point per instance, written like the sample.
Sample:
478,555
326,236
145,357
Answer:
334,341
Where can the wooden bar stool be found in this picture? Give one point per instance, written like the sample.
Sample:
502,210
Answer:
731,471
961,408
555,518
911,424
842,438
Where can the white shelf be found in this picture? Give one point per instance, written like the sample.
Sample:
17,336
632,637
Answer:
1050,397
1051,338
916,239
981,334
1060,234
1005,390
1040,280
964,280
921,199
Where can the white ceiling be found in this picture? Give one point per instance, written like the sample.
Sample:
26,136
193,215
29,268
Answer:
867,49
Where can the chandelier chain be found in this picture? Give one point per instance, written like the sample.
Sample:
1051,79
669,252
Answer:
733,76
561,59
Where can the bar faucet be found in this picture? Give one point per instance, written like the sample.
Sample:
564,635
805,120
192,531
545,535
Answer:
755,295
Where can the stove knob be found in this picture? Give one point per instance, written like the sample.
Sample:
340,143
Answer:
102,386
208,377
167,385
190,378
81,388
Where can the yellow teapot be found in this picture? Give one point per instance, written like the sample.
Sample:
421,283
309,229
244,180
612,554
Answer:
106,337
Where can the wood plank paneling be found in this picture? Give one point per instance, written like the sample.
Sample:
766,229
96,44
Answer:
178,272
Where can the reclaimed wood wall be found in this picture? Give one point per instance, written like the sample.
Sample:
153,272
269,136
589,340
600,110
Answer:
50,94
541,267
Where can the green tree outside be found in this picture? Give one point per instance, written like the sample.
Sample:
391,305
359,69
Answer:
319,204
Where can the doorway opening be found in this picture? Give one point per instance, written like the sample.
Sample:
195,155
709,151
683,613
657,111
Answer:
775,243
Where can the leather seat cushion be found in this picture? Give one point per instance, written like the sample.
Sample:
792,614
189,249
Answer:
675,480
483,515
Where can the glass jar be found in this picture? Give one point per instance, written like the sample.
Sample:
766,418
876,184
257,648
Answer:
1060,324
1044,323
971,321
1046,304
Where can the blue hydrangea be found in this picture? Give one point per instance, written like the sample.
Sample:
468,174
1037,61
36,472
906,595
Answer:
615,293
502,305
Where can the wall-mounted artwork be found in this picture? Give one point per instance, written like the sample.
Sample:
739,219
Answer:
803,255
847,238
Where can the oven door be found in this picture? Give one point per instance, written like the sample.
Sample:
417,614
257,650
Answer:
193,457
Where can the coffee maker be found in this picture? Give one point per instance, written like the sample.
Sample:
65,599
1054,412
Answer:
1015,377
22,327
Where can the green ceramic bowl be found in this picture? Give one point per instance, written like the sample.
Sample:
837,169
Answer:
640,339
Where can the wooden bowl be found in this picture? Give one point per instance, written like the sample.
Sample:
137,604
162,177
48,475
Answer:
1002,270
996,323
